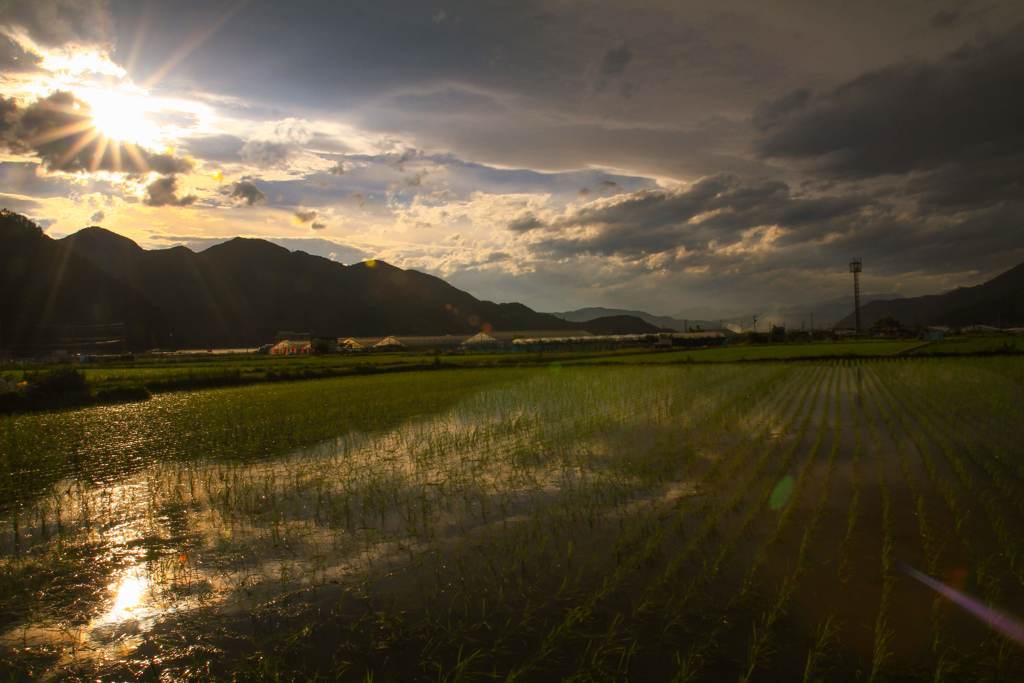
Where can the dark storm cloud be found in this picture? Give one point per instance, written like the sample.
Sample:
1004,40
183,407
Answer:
57,22
505,84
616,60
448,100
305,216
316,225
714,144
913,116
713,210
945,18
13,59
525,223
247,192
467,175
895,244
54,129
497,257
164,192
969,184
768,114
10,123
518,77
373,178
963,13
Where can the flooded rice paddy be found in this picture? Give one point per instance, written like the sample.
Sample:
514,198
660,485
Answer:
734,522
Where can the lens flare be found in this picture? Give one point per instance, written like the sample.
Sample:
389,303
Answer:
1000,621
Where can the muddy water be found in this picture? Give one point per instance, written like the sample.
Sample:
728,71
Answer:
104,563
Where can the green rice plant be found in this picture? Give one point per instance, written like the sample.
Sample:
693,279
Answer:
624,567
698,653
761,642
825,640
520,523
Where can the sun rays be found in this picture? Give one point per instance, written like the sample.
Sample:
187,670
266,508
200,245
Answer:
123,117
92,129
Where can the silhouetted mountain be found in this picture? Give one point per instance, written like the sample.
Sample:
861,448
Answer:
825,314
620,324
47,287
585,315
999,302
240,292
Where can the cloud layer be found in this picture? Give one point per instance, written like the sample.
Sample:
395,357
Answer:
642,155
60,130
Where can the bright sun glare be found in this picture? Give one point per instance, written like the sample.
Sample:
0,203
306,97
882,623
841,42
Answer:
122,117
128,593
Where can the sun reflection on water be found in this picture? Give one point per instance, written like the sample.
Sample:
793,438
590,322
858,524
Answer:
129,591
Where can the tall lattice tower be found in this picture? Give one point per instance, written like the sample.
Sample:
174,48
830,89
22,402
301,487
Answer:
855,268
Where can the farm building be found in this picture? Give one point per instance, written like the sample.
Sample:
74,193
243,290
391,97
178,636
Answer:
481,340
350,345
419,342
441,341
389,344
292,347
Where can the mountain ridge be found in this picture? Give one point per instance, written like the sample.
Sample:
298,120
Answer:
237,293
661,322
998,301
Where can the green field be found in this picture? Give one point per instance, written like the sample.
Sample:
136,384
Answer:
694,521
129,380
970,345
761,352
159,374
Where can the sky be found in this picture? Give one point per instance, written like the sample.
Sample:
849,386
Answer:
667,156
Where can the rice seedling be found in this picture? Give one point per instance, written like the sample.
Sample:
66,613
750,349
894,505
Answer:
690,522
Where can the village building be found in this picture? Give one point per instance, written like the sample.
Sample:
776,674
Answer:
292,347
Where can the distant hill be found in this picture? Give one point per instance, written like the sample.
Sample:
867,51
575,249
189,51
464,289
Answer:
825,314
999,302
664,322
620,324
238,293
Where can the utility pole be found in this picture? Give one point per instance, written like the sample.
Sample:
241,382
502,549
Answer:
855,268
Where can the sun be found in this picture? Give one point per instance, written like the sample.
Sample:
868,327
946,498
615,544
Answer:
123,116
